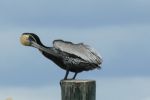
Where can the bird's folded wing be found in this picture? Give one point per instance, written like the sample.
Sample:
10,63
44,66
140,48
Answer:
80,50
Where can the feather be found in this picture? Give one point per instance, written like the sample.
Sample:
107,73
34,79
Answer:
80,50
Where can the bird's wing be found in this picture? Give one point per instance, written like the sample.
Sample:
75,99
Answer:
80,50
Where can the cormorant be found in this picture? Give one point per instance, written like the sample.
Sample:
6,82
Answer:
67,55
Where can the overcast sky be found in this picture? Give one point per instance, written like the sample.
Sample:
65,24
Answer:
118,30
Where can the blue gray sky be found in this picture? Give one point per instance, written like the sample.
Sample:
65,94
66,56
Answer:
118,30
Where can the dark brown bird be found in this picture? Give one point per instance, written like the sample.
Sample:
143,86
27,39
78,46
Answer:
67,55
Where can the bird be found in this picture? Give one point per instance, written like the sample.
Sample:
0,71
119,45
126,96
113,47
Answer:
67,55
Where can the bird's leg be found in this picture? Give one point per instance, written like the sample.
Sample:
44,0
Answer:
67,72
75,75
65,78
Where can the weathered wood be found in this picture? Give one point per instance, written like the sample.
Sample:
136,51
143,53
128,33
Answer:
78,89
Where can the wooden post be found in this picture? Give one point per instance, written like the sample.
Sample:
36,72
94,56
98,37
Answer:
78,89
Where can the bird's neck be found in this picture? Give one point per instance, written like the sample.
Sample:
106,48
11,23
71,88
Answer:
44,48
40,43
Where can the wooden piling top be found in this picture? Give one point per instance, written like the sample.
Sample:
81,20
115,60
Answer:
78,89
78,81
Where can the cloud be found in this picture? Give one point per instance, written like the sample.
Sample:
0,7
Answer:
147,98
133,88
25,93
119,30
79,13
124,49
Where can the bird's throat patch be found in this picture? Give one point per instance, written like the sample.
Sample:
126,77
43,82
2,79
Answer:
24,39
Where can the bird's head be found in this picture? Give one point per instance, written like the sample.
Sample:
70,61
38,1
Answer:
27,39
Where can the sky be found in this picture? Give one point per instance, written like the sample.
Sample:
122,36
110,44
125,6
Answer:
118,30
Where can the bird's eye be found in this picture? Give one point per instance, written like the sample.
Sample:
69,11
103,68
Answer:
30,39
